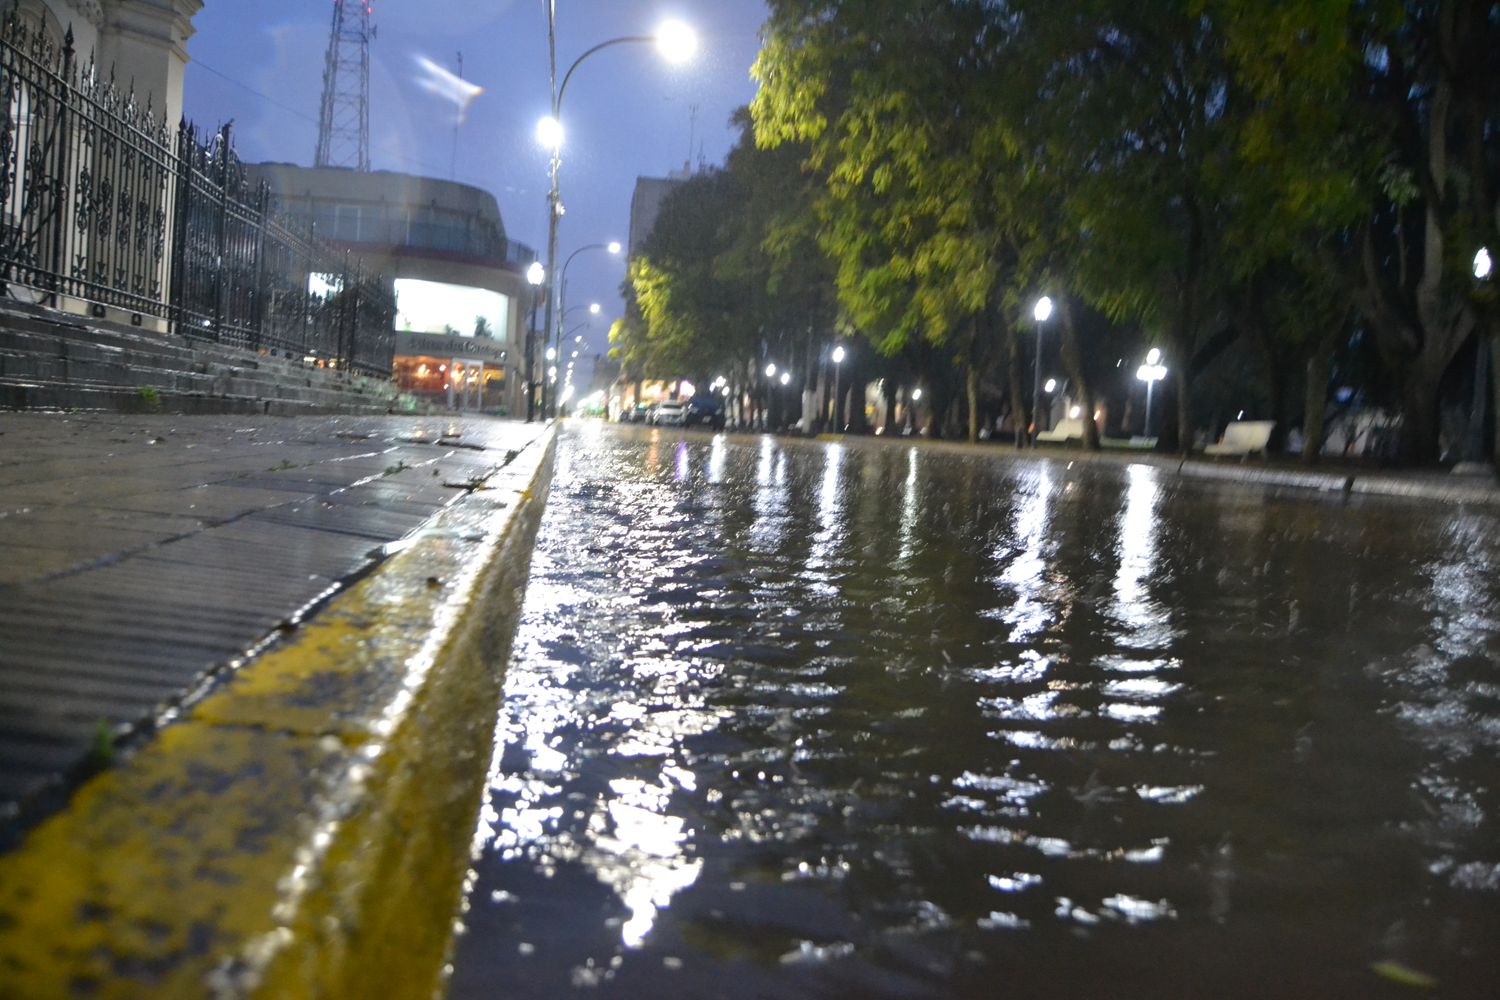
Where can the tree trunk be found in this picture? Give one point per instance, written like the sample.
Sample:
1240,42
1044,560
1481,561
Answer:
937,410
1315,407
973,385
888,389
1276,384
1018,415
854,395
1419,418
1072,357
1184,413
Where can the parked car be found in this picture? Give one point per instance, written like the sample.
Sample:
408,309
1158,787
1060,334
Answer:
706,408
634,414
670,412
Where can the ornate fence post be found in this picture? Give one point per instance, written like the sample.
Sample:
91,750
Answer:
221,233
359,291
258,302
345,293
60,186
182,202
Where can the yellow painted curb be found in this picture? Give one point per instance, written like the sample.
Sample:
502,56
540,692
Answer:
305,830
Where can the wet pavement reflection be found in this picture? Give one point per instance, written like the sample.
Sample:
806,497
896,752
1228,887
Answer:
797,719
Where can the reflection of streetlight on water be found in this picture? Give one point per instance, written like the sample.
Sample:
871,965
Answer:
1151,372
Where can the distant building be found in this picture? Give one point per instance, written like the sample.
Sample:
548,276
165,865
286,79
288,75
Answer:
461,291
645,203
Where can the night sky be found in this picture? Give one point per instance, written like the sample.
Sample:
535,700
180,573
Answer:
628,112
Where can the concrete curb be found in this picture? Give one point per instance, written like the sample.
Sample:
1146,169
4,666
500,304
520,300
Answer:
304,831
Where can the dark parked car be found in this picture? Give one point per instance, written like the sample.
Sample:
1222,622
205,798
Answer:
706,408
634,414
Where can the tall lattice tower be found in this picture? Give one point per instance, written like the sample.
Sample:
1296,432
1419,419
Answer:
344,121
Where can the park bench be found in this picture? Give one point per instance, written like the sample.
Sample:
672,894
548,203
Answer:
1242,438
1067,429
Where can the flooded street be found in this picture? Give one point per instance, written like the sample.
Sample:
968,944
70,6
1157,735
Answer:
795,719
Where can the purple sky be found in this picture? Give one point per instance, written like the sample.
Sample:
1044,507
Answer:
628,112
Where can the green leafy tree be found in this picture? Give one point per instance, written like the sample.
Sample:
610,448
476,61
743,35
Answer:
881,93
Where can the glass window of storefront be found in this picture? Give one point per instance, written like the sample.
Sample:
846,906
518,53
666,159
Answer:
438,307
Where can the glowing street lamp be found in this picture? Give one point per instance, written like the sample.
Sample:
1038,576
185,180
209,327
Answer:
1482,263
770,371
1152,372
786,377
677,42
549,133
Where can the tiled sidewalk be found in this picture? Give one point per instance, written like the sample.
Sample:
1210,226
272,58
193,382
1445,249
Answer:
142,556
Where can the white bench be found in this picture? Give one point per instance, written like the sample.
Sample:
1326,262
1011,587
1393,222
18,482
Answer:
1242,438
1067,429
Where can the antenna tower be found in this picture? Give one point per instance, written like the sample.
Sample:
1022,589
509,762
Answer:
344,120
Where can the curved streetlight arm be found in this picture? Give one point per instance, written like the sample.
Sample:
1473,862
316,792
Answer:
557,105
575,253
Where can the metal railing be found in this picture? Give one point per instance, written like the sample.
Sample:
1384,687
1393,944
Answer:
101,202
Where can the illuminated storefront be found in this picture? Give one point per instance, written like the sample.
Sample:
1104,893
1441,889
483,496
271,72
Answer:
461,373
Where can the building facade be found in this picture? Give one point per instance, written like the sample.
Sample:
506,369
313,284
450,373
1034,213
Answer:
462,300
139,42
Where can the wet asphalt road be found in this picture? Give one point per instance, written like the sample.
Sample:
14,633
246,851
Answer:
797,719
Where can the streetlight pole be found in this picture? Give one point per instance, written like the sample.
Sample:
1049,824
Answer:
1475,460
1151,372
676,42
613,246
838,403
535,276
1040,313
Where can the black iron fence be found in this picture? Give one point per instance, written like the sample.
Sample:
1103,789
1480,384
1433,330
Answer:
101,202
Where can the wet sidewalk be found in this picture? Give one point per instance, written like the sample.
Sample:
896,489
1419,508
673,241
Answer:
1331,477
142,557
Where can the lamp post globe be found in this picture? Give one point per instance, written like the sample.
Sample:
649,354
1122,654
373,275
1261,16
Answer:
676,41
549,133
1483,265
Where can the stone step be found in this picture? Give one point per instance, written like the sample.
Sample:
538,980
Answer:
61,361
36,395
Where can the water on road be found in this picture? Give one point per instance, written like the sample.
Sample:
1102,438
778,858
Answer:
792,719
